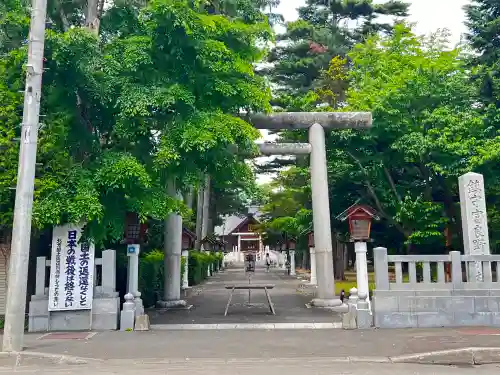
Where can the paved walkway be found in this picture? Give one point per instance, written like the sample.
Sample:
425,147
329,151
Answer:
209,302
262,344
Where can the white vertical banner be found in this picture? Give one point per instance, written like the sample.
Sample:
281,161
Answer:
71,284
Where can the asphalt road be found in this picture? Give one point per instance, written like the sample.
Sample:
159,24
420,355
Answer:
290,367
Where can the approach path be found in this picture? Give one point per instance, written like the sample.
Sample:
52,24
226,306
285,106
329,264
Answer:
209,301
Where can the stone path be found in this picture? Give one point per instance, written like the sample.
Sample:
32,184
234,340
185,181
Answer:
209,302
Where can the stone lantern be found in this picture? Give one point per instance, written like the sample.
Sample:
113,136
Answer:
360,218
207,244
134,237
134,230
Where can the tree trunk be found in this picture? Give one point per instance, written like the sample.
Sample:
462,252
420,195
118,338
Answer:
100,9
199,216
305,259
189,198
206,208
338,259
92,17
213,212
346,257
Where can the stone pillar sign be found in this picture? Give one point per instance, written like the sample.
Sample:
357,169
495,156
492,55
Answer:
474,220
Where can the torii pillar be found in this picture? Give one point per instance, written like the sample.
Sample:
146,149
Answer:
316,122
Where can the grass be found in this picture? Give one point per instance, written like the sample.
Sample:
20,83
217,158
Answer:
350,282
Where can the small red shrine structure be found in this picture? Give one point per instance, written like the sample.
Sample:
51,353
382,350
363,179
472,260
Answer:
135,231
310,239
360,218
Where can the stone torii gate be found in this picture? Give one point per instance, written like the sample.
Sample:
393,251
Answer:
316,122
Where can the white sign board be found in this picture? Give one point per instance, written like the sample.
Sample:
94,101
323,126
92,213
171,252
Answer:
71,270
474,219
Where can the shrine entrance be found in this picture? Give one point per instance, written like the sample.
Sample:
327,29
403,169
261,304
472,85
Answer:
316,123
241,235
288,299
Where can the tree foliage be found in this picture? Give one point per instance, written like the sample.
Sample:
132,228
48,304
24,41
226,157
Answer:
429,128
324,30
483,21
148,99
155,93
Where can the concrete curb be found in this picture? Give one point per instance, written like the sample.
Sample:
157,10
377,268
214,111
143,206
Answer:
454,357
457,357
205,362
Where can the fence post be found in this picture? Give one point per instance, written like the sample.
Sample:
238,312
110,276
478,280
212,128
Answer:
381,268
108,271
127,315
364,317
41,269
456,269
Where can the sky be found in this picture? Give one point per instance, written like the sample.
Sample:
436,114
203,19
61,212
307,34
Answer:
427,15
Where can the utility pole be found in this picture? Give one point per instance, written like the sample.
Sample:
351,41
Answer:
199,216
21,231
206,208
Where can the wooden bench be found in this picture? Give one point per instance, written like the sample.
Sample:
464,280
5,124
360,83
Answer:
250,287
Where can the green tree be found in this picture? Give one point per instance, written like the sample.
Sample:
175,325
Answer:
324,30
429,128
427,131
483,21
155,97
248,10
313,49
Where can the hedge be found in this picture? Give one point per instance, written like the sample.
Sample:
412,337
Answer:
151,272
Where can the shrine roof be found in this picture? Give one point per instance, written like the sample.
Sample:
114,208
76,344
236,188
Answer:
356,208
232,222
